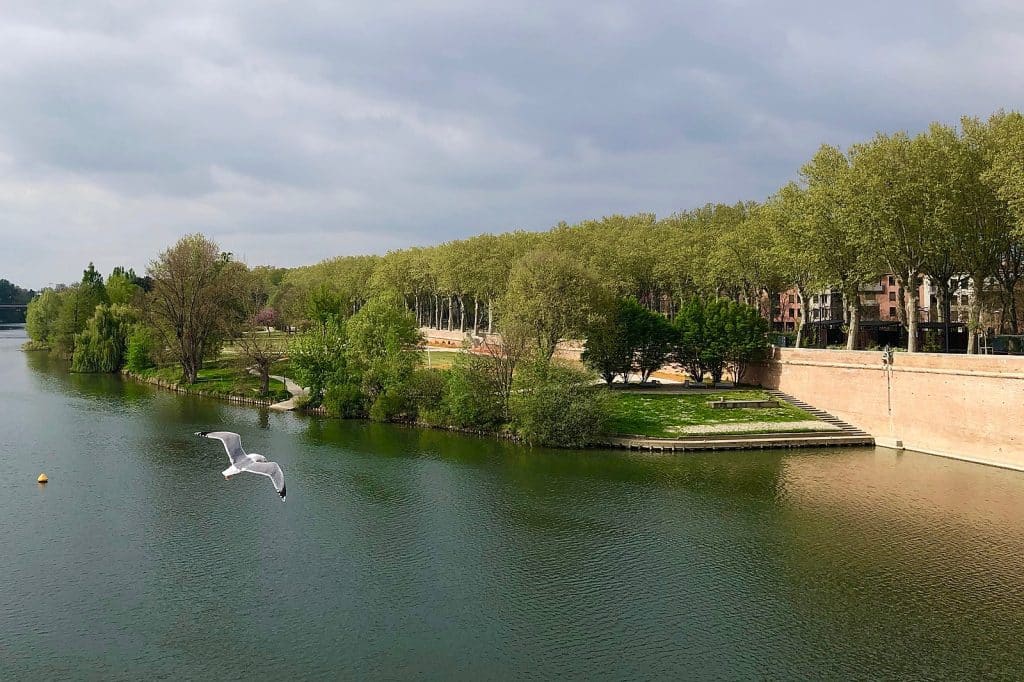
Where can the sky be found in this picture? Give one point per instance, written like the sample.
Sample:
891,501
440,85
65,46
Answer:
293,132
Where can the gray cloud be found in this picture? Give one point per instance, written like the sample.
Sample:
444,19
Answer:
300,131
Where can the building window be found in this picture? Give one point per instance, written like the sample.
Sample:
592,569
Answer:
792,298
892,295
965,300
799,313
892,281
892,311
791,312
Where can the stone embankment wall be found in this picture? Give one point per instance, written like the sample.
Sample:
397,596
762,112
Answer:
569,350
968,407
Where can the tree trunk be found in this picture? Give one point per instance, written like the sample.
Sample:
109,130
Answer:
476,316
974,313
450,313
264,381
462,314
804,311
490,316
911,295
853,311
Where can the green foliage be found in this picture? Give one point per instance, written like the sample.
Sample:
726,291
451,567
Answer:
609,348
381,337
627,337
472,398
121,286
426,392
345,400
557,405
713,335
41,319
101,346
318,359
550,297
142,346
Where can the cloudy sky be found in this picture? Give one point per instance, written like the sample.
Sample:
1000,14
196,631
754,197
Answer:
291,132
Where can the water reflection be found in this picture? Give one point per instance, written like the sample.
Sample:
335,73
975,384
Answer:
410,553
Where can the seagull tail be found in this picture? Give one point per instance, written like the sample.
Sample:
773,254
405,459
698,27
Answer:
282,493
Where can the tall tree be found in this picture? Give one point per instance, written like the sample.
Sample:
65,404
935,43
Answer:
835,234
194,302
549,298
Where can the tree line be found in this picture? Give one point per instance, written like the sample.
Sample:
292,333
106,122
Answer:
947,204
12,294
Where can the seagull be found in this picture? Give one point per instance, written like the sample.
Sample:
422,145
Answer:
241,462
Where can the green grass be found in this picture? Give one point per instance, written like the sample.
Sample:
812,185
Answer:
668,416
222,378
439,359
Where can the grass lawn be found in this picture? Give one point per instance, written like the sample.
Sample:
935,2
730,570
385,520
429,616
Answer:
670,416
223,378
438,359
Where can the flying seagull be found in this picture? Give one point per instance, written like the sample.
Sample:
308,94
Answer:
241,462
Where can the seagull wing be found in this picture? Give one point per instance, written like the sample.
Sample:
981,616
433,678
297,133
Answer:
232,443
269,469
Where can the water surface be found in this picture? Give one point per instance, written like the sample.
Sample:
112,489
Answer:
409,554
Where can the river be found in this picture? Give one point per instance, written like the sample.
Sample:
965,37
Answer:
413,554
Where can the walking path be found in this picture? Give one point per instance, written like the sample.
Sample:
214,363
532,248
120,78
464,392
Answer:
290,386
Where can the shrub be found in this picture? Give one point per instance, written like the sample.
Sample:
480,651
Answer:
558,406
472,398
141,344
345,400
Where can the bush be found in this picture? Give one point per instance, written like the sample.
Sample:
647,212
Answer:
472,399
141,344
345,400
426,393
559,406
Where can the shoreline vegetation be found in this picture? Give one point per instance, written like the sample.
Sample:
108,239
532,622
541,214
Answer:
698,290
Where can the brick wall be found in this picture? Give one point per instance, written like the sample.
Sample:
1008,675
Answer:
969,407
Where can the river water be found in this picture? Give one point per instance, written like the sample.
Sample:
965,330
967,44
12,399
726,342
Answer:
411,554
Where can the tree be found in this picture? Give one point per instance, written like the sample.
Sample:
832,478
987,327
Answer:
893,180
984,222
549,298
785,214
382,339
835,236
745,334
102,345
194,302
557,405
122,287
609,348
258,349
716,334
77,305
41,318
318,359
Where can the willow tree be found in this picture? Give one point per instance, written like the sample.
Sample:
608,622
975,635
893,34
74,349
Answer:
194,301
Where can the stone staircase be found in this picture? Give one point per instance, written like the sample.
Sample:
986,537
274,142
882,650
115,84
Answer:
848,429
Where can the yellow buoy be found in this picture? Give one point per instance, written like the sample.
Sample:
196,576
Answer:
42,478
